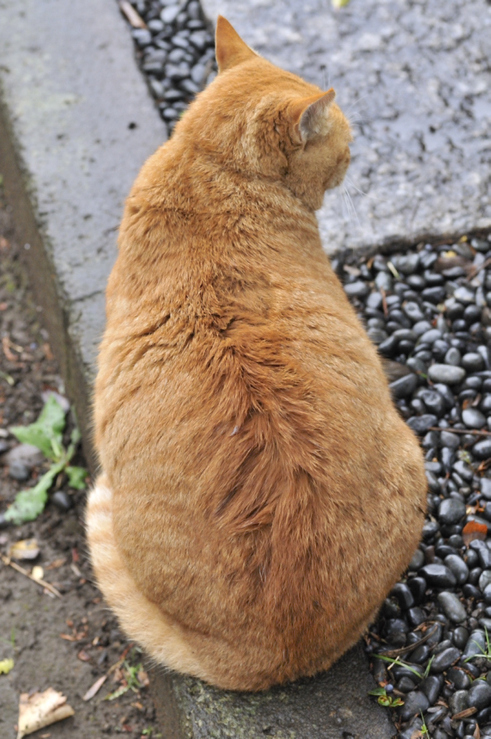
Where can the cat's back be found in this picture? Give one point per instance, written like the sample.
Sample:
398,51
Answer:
243,420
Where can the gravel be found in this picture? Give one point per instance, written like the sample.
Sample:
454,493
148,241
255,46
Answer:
176,53
439,614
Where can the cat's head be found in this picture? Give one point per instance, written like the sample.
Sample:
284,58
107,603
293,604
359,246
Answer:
260,120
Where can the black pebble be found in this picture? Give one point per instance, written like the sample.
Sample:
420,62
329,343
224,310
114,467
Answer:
62,500
438,575
480,694
444,659
431,687
416,703
403,594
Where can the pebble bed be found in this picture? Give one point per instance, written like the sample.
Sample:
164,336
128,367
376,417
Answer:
429,312
176,52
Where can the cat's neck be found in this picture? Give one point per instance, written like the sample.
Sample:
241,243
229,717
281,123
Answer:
189,180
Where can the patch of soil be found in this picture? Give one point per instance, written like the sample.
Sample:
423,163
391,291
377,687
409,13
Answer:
67,643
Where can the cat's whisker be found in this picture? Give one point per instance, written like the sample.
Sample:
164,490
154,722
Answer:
351,207
355,102
352,184
347,206
357,118
344,205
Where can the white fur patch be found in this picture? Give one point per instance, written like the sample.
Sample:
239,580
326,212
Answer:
100,494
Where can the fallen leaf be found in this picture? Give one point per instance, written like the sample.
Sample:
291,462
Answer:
95,688
464,714
75,570
41,709
6,349
5,666
25,549
37,573
57,563
47,352
474,530
83,656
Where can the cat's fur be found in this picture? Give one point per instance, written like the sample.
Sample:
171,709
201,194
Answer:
260,494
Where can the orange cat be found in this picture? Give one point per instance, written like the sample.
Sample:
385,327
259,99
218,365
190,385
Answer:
260,494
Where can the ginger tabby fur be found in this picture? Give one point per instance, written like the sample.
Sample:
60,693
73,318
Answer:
260,494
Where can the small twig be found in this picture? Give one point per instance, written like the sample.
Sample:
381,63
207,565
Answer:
475,432
475,270
22,571
411,647
384,302
131,15
120,660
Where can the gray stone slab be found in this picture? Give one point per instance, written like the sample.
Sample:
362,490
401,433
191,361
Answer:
334,705
69,90
414,79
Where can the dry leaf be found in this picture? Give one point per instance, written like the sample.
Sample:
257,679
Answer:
57,563
83,656
474,530
6,349
47,352
5,666
41,709
25,549
143,678
37,573
95,688
464,714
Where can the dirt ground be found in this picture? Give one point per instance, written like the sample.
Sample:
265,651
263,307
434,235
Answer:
66,642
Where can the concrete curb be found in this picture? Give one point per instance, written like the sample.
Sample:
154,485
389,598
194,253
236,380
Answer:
77,123
71,95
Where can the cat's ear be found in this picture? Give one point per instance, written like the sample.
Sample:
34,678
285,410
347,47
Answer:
229,47
310,116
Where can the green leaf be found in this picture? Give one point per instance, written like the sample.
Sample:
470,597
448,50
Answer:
76,477
28,504
396,702
75,435
117,693
384,700
47,432
377,691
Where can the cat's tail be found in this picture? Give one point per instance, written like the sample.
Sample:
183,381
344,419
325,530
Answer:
142,620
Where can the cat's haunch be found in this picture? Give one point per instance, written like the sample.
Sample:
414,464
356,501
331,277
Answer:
260,495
